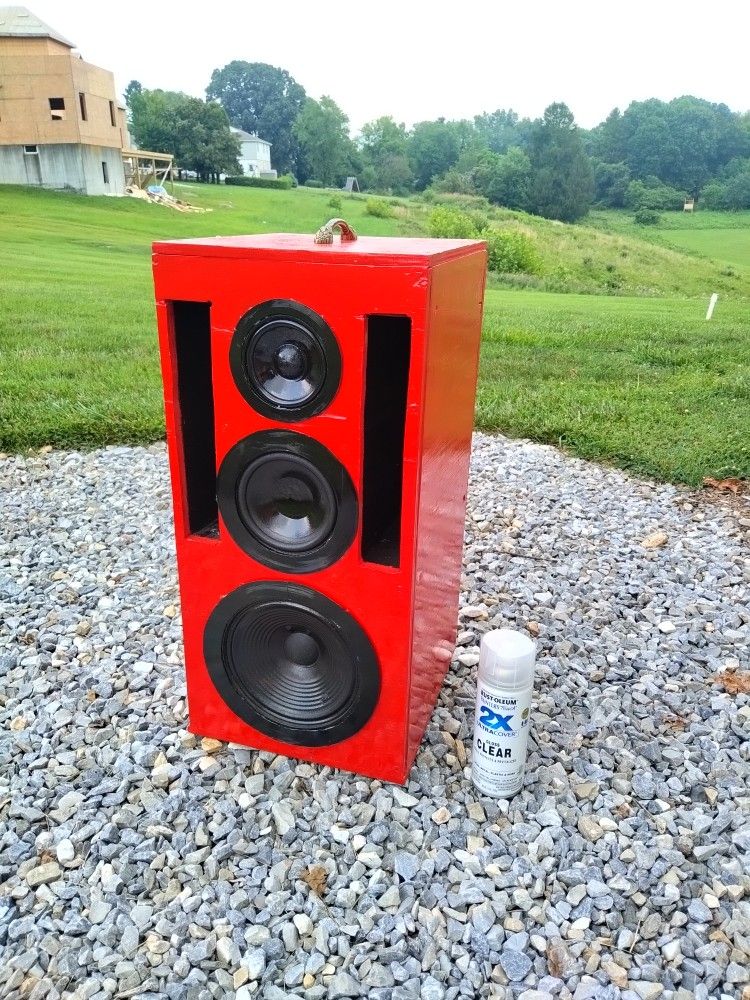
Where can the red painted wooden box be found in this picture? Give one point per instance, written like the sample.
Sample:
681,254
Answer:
319,407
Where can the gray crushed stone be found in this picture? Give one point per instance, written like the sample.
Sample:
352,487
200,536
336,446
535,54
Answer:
137,861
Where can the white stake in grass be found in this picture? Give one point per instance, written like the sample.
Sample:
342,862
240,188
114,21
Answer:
711,303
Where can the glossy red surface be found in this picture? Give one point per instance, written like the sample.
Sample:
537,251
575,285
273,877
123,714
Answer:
409,613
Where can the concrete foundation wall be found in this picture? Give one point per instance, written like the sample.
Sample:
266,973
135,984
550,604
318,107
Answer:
64,165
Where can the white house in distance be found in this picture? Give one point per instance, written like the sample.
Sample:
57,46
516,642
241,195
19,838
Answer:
255,154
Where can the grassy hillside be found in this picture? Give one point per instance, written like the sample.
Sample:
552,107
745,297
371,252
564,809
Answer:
622,220
645,383
616,257
719,237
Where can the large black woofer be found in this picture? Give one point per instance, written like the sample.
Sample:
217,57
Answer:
287,501
285,360
291,663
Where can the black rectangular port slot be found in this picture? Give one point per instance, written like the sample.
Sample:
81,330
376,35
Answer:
191,329
386,382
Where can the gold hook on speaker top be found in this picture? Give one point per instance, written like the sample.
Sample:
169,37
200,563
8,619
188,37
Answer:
325,233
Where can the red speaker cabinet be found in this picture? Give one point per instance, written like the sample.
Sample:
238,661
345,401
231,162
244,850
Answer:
319,407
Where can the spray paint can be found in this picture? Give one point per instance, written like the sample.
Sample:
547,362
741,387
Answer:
505,682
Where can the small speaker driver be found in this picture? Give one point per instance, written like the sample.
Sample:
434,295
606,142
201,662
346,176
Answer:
292,663
285,360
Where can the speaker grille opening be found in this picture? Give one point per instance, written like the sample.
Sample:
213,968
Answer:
285,360
191,330
292,664
386,385
287,501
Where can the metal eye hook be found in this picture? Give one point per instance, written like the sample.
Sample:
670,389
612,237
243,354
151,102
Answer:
325,233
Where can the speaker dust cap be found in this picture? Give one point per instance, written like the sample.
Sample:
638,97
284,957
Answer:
292,663
287,501
285,360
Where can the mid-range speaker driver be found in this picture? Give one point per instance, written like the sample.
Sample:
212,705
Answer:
285,360
287,501
291,663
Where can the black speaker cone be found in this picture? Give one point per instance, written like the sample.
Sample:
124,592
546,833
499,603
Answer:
285,360
291,663
287,501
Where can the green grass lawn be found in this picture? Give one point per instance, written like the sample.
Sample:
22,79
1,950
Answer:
78,364
645,383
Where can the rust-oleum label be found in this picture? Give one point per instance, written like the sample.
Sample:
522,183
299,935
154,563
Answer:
501,734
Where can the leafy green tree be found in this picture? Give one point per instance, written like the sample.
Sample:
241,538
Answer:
153,116
433,149
462,176
712,196
738,192
562,184
262,99
326,150
683,142
731,194
500,130
197,133
605,142
738,165
470,142
132,92
505,179
385,163
393,175
216,149
611,183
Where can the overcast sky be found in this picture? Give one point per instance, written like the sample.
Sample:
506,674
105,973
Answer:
418,61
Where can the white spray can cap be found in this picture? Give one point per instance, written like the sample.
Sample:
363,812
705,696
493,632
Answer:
506,658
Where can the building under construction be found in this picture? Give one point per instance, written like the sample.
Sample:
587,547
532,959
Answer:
61,124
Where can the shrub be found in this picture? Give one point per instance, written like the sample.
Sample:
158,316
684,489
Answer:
480,221
466,202
714,196
454,182
512,252
335,202
737,192
731,195
314,184
378,208
452,224
653,194
281,183
647,217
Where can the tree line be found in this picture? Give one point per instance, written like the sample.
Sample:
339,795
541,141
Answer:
650,156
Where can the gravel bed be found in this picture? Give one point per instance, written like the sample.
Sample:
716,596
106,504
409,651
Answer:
139,861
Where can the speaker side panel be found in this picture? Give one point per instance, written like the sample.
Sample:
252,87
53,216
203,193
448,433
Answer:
377,596
453,338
